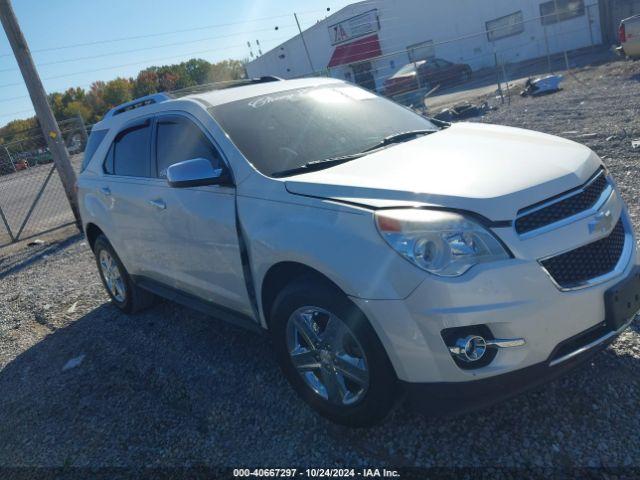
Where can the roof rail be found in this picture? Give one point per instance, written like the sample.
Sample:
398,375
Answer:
139,102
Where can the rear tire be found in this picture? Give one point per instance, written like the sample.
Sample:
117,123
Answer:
346,376
124,293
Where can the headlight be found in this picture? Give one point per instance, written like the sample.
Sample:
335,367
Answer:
442,243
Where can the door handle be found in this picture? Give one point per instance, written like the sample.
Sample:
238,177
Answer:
159,204
105,191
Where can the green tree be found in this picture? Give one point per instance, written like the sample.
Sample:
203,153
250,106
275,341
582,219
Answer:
77,108
146,83
199,71
117,91
95,102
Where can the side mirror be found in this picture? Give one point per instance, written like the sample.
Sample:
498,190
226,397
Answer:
197,172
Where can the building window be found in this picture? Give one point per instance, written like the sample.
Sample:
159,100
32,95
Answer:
421,51
556,11
506,26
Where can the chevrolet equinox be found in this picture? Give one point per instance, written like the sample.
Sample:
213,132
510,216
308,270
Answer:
387,255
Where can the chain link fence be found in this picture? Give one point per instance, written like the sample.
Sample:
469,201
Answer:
32,198
565,36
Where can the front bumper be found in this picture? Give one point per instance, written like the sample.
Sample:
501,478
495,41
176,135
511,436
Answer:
514,298
445,398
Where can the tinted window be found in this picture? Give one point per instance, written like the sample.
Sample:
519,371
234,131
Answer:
288,129
559,10
108,162
95,139
179,139
131,152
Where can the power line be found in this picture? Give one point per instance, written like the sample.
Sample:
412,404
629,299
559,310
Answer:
122,52
16,113
128,64
151,35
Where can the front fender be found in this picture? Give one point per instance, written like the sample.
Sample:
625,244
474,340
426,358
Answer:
341,242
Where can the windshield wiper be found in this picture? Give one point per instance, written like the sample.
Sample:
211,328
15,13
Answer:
318,165
330,162
398,138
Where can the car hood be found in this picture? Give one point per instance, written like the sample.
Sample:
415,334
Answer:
488,169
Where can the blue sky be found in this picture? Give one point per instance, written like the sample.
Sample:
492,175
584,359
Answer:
167,31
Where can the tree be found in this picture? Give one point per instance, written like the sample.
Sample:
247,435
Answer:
101,97
198,70
146,83
227,70
95,101
117,91
77,108
57,105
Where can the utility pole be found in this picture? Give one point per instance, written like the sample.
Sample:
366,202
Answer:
48,123
306,49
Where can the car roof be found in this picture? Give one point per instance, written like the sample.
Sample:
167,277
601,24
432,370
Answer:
227,95
158,102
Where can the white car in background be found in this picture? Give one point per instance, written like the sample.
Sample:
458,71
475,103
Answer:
629,37
386,255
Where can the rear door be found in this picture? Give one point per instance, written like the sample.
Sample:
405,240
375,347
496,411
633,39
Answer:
128,189
198,226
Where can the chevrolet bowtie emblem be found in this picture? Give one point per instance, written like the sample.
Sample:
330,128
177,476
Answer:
601,223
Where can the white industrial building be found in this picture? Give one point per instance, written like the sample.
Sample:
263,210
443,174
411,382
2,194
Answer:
368,41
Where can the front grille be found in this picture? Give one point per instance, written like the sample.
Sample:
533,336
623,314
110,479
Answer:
575,268
583,199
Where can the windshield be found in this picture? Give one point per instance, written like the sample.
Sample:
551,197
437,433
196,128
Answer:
407,69
286,130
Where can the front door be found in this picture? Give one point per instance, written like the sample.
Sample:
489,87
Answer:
198,225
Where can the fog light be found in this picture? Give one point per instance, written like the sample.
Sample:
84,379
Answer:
475,346
469,349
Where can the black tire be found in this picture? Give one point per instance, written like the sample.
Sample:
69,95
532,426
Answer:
381,394
135,298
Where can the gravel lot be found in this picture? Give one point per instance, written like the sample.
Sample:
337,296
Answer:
83,385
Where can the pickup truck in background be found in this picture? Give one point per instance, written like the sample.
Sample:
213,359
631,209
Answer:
629,36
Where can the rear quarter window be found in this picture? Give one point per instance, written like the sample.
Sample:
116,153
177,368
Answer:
95,139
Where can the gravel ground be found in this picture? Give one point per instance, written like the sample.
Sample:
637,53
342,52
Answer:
84,385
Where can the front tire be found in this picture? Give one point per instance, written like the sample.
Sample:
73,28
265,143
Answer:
331,355
125,294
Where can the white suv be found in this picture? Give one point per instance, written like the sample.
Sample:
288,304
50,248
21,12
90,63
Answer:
387,255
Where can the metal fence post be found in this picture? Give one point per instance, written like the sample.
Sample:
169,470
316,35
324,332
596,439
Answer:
589,21
546,43
83,129
13,164
506,82
497,67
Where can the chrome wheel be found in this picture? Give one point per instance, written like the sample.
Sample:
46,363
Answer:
112,276
327,355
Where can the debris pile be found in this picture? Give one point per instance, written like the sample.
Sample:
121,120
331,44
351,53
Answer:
463,111
542,86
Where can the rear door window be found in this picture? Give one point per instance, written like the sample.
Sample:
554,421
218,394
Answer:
131,152
95,139
179,139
